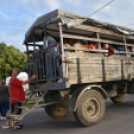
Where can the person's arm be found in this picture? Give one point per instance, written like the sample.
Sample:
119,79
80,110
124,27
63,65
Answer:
111,51
28,81
105,54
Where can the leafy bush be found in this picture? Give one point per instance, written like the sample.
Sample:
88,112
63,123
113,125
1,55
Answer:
10,58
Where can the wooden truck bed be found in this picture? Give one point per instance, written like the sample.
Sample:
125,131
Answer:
90,70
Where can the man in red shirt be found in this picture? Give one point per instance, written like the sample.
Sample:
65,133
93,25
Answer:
110,50
17,93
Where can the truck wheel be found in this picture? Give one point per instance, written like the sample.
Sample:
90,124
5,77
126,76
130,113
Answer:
90,109
118,99
56,111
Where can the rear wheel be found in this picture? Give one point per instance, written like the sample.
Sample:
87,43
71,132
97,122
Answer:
56,111
90,108
118,99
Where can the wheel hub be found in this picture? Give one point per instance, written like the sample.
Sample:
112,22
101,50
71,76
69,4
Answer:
91,107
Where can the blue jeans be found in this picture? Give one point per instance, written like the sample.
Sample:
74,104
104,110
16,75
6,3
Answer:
4,108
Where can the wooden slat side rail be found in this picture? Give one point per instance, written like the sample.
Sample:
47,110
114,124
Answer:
84,49
100,30
91,70
96,61
95,50
65,35
94,55
94,39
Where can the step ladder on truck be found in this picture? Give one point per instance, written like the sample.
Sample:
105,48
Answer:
77,79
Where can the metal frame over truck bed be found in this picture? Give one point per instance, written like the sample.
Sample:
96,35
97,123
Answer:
88,78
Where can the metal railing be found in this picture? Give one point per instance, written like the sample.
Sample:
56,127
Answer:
44,63
53,63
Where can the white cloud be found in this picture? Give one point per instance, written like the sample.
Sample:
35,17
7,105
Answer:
3,15
53,4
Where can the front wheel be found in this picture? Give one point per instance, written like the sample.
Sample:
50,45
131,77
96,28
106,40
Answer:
90,109
56,111
118,99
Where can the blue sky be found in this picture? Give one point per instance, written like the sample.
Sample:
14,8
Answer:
17,15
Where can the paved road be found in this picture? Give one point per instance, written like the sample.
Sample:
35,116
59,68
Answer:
119,119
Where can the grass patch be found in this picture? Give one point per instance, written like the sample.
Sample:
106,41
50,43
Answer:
31,103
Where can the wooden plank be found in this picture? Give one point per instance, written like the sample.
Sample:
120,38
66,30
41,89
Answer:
129,72
93,55
123,52
84,49
84,60
91,69
108,73
128,61
112,61
98,62
74,80
98,37
107,66
70,66
83,69
99,44
113,73
94,39
100,30
98,40
112,67
80,54
129,67
88,79
95,60
85,73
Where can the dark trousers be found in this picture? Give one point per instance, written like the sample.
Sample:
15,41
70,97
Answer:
4,108
15,108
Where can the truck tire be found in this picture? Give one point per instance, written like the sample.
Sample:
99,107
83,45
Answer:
90,109
118,99
56,111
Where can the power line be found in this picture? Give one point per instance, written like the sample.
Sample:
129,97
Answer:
101,8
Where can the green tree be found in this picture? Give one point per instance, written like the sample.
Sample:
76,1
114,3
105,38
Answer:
10,58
